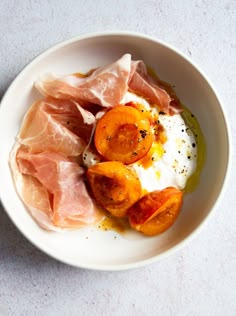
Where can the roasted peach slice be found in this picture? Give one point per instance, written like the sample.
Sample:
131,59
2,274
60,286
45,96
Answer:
123,134
156,211
115,186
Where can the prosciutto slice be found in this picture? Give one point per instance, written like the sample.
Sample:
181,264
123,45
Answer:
57,125
152,89
53,188
44,164
105,86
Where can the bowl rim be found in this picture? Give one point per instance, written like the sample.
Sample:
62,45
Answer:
173,249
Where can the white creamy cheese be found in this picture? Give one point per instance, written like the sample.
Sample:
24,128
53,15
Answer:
179,158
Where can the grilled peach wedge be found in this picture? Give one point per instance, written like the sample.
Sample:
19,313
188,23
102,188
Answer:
155,212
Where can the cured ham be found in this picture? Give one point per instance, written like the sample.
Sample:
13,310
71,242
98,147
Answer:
153,89
105,86
58,125
48,178
53,187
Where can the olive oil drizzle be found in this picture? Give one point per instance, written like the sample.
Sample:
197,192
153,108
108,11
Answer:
192,122
119,225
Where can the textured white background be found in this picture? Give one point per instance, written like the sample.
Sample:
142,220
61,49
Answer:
198,280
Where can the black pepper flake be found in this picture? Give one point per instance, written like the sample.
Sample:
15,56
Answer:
194,145
179,151
152,158
143,133
182,130
189,157
162,113
192,115
68,122
134,153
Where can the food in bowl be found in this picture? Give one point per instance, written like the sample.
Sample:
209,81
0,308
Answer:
115,141
101,249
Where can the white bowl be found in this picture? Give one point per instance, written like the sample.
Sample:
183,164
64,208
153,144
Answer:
107,250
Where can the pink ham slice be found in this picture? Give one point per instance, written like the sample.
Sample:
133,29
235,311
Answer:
58,125
107,85
104,86
152,89
59,197
34,195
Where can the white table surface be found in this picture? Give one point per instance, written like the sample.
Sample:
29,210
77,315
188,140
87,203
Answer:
197,280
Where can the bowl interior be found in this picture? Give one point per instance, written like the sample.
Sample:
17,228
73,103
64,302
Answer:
106,249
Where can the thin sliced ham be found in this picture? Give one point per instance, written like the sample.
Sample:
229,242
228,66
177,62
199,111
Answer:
104,86
58,125
34,195
152,89
53,188
107,85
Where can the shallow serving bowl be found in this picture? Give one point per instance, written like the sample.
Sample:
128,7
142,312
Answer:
107,250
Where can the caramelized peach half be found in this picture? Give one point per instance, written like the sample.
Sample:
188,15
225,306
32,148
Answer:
156,211
115,186
123,134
